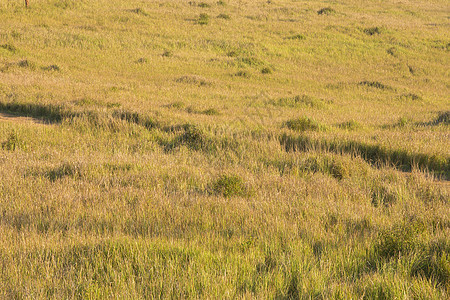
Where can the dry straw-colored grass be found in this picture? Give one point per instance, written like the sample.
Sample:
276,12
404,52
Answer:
224,149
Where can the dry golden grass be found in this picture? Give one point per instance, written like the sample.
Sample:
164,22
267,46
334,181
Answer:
224,149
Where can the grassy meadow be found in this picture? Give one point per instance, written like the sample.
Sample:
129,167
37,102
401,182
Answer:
243,149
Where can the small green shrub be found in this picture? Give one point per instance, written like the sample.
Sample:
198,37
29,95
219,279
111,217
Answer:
203,19
229,186
203,5
304,124
222,3
326,11
232,54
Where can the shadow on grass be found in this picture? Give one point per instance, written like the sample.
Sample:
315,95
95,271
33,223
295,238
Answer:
374,154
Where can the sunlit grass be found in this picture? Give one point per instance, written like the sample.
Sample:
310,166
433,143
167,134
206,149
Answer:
224,149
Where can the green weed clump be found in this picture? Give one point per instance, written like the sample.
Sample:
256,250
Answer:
304,124
230,186
203,19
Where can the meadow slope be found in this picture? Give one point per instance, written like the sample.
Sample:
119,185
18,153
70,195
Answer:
276,149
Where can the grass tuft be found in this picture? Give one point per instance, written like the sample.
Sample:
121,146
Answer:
203,19
230,186
304,124
13,142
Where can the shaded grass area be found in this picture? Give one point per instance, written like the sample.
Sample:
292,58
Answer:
374,154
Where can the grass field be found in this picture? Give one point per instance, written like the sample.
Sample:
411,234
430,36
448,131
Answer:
274,149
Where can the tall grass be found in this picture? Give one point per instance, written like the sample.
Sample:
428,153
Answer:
224,149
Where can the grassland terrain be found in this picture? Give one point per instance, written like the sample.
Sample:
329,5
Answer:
208,149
